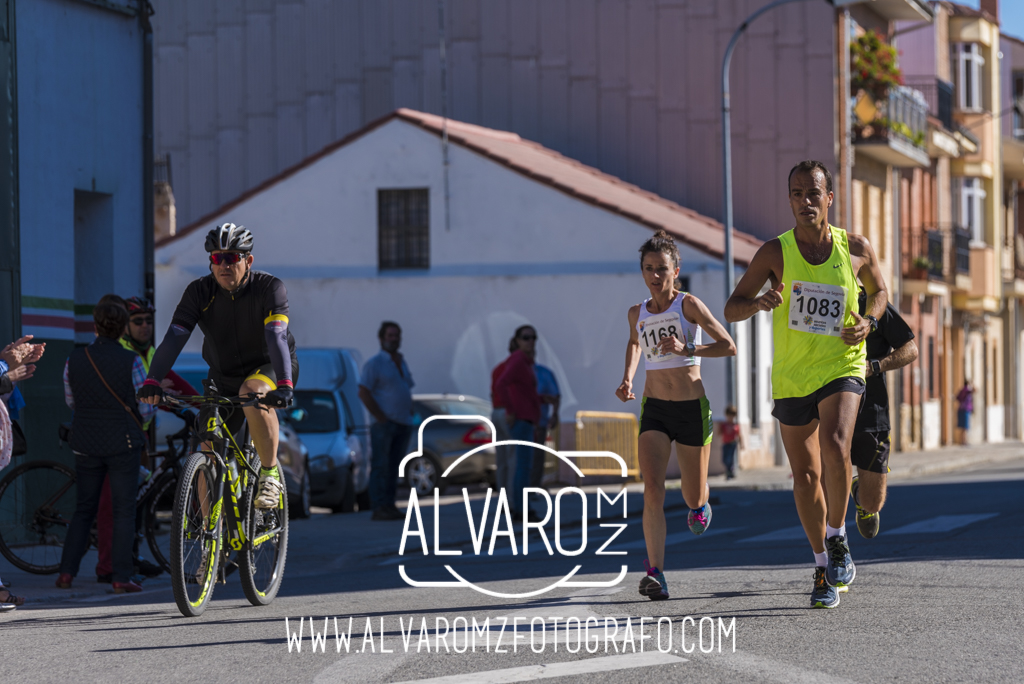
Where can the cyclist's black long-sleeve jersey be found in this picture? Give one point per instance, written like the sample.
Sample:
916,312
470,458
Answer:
244,330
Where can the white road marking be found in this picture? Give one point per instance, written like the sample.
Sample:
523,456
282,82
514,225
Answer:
674,538
785,534
943,523
531,673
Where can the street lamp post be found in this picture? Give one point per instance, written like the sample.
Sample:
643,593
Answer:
730,275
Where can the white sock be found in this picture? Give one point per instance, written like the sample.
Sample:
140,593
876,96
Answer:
820,560
833,531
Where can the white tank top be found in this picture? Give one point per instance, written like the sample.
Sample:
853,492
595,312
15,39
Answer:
652,327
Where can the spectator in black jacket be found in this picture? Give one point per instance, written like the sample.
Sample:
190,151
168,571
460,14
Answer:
100,383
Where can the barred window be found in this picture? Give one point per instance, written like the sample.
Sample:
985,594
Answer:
403,228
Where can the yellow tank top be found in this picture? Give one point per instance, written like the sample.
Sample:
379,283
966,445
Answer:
817,302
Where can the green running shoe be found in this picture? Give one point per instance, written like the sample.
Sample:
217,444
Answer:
653,584
823,596
867,523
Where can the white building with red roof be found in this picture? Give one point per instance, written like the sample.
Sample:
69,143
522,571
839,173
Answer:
379,227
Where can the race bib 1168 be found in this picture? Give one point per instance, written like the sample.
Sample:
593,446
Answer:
653,329
817,308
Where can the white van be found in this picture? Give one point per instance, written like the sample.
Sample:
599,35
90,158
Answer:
335,427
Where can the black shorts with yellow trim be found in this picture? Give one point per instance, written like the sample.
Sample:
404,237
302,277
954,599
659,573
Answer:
230,386
686,422
797,411
870,451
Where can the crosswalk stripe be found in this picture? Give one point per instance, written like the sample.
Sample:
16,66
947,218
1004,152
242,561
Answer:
942,523
530,673
674,538
785,534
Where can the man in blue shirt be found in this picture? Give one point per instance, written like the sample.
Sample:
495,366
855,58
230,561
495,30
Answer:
385,388
551,398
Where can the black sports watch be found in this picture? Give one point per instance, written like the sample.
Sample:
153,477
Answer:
876,366
874,323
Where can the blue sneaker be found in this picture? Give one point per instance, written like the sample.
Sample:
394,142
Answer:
653,585
700,519
823,595
840,570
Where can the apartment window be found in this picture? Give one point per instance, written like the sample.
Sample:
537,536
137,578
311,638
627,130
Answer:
403,229
969,206
969,72
931,366
1018,96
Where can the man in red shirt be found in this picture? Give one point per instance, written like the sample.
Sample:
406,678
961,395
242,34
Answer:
504,457
516,391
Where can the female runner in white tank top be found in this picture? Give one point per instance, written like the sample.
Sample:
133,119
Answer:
666,330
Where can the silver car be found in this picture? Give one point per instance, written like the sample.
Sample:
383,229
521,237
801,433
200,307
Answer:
445,440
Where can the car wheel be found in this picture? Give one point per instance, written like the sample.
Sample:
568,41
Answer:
423,475
299,506
348,501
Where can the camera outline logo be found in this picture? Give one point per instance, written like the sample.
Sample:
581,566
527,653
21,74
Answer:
502,507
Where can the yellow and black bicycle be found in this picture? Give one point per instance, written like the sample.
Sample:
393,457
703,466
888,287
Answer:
216,526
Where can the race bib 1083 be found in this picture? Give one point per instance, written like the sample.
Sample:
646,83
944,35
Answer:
817,308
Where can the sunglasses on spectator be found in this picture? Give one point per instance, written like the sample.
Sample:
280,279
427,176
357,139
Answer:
147,320
527,338
225,258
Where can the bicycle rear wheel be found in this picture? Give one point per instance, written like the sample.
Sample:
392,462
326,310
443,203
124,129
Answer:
36,504
261,562
195,536
157,516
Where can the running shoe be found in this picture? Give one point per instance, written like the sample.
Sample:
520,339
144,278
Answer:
270,492
867,523
823,595
840,570
653,584
700,519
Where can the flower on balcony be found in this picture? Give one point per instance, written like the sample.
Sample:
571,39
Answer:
882,128
873,66
922,263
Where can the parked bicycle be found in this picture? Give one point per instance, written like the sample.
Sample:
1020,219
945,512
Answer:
223,475
37,502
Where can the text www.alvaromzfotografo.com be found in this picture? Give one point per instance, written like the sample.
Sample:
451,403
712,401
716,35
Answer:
502,635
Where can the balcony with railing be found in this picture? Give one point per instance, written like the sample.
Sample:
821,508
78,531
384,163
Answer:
896,128
939,96
925,255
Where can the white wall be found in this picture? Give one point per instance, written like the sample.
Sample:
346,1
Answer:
517,252
79,127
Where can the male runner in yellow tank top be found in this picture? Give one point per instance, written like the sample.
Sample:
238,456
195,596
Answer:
818,367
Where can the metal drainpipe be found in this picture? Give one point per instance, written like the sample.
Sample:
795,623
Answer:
844,99
149,276
897,286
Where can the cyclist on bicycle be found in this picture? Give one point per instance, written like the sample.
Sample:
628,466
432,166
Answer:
244,316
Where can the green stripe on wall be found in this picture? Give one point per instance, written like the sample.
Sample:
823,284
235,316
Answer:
49,303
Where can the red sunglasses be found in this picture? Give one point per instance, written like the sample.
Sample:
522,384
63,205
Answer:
226,258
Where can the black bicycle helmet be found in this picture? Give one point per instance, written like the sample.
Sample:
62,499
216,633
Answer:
228,237
137,305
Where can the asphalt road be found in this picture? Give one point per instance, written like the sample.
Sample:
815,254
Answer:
935,600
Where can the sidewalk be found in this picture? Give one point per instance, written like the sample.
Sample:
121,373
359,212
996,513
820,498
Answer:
374,543
902,464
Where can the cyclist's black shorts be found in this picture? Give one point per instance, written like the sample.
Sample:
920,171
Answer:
229,387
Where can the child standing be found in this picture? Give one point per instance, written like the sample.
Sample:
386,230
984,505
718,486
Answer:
730,441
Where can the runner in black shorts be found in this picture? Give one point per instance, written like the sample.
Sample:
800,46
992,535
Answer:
666,330
244,317
889,347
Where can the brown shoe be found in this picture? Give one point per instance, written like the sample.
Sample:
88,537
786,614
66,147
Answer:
126,587
64,581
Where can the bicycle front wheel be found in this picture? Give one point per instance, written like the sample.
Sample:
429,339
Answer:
195,536
158,512
261,562
36,504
